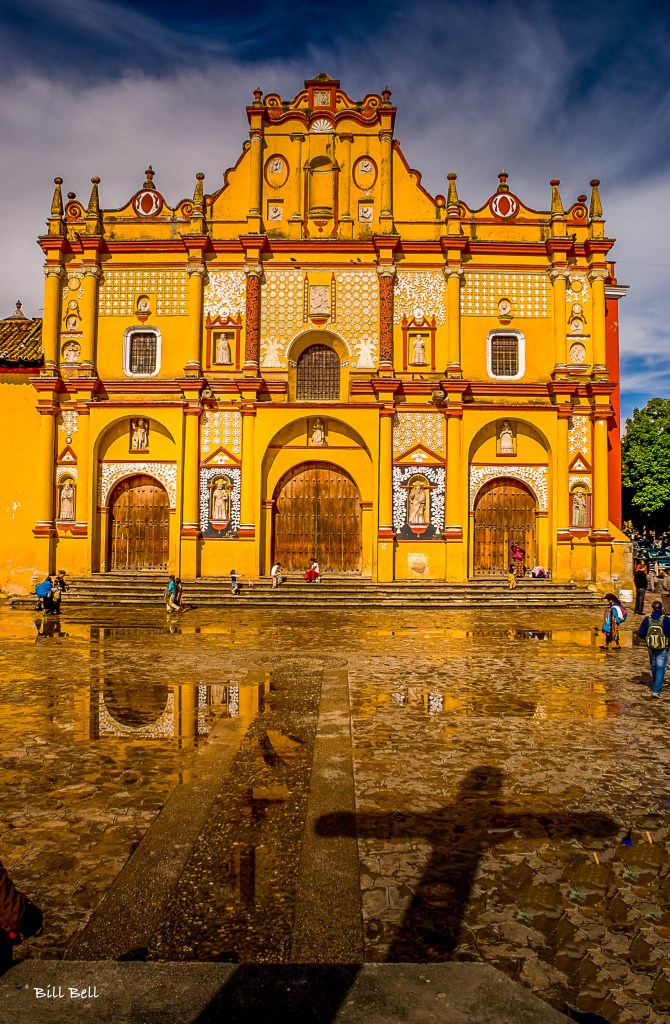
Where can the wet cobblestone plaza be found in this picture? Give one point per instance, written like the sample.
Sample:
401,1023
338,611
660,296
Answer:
482,771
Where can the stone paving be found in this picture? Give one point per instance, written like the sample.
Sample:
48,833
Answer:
498,762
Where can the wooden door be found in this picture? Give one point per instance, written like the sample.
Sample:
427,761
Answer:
504,515
138,524
318,512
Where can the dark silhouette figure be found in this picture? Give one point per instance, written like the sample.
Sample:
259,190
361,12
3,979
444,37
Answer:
459,834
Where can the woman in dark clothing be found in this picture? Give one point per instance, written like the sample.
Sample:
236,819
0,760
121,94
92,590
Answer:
19,918
640,581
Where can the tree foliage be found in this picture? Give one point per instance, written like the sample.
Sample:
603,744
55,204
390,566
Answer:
646,465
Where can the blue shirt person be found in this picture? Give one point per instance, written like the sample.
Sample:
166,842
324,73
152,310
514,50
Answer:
655,629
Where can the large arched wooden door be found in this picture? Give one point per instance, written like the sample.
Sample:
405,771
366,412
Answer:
318,512
504,515
139,514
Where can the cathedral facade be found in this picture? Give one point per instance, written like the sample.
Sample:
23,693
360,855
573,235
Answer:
317,358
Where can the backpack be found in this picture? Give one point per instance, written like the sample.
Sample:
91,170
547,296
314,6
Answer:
656,638
44,589
620,613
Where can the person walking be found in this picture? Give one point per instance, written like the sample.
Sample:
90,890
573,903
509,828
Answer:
275,573
614,616
171,595
655,629
234,584
179,595
665,592
640,581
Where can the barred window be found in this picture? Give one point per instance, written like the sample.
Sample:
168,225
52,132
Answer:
318,374
142,354
504,355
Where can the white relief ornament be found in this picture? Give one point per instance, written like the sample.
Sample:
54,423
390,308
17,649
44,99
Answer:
435,476
63,472
111,472
148,203
68,421
321,126
527,293
225,293
579,435
221,429
419,291
504,205
412,428
357,315
534,477
282,302
120,291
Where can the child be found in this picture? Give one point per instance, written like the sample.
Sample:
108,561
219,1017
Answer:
511,578
234,584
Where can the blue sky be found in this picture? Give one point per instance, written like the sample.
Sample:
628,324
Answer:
568,90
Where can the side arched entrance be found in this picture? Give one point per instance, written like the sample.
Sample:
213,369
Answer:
317,512
505,513
139,531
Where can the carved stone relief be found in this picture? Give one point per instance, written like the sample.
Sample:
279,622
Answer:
111,472
225,293
221,429
534,476
528,294
231,479
419,291
408,503
412,428
579,435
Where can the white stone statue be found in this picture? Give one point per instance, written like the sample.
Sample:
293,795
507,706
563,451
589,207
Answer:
220,502
318,438
419,350
67,501
417,504
139,441
223,354
506,439
579,517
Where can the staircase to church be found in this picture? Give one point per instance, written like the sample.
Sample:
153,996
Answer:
344,592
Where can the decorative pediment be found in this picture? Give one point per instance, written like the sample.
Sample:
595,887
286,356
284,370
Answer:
579,465
67,456
419,455
220,457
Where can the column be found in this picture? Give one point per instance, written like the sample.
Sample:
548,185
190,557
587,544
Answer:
600,480
44,530
559,279
386,275
345,181
193,341
190,489
385,533
296,192
51,319
252,320
454,276
562,522
255,172
83,464
89,312
248,499
386,181
453,529
597,279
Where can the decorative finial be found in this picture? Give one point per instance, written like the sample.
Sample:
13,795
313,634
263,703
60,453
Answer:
386,94
71,196
258,96
198,195
149,183
556,202
452,194
94,202
596,208
57,201
19,315
502,178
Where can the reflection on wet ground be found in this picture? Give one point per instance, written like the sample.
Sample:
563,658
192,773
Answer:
495,765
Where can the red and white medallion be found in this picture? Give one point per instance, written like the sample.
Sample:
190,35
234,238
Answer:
504,205
148,203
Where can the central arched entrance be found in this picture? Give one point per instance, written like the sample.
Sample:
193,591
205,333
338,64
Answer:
317,512
139,515
505,513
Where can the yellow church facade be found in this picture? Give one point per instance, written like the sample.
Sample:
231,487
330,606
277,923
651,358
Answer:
316,359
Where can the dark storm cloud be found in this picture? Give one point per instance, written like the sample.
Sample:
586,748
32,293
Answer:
567,90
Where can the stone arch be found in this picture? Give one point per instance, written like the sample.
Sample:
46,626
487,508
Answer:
307,340
522,427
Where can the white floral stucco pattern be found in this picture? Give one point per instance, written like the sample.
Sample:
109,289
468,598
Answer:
579,435
111,472
412,428
534,476
68,421
221,429
419,291
225,293
357,315
482,290
235,477
119,290
434,475
282,314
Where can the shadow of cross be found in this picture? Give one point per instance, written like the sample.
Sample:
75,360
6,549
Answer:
459,834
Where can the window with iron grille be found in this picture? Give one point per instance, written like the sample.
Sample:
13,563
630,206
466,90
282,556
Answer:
504,355
318,374
142,354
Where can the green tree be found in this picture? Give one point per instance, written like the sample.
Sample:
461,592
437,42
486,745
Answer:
646,466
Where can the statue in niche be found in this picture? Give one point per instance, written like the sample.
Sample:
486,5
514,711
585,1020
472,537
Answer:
223,354
417,503
419,350
66,510
579,507
506,440
139,436
71,352
221,500
318,436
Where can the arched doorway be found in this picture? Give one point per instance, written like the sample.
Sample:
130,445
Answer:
505,513
318,374
139,512
318,512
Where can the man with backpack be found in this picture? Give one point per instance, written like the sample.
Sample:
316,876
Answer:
655,629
